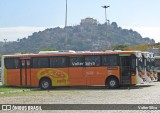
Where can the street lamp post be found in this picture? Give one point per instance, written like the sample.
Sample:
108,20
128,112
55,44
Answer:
66,38
66,14
5,41
105,7
108,22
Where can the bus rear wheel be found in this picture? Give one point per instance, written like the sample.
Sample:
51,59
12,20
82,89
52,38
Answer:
112,83
45,83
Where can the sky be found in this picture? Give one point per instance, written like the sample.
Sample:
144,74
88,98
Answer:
20,18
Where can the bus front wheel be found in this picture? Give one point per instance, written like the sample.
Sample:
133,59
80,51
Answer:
45,83
112,83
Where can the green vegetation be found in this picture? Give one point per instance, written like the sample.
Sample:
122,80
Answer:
86,36
48,49
119,47
143,47
17,91
8,91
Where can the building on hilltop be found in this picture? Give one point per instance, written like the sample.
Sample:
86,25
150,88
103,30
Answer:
89,21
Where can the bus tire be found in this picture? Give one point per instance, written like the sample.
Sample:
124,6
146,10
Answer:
113,83
45,83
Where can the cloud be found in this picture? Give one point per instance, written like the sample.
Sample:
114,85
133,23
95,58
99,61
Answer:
151,32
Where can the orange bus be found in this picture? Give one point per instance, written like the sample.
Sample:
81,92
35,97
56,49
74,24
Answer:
71,68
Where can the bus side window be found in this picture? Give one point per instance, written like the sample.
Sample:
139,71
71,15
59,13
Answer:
58,62
92,61
40,62
12,63
76,62
110,60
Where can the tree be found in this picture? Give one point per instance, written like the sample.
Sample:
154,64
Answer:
119,47
48,49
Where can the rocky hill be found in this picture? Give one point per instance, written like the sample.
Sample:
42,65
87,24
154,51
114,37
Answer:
89,35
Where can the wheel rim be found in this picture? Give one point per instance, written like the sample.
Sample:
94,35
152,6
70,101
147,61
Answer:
45,84
112,83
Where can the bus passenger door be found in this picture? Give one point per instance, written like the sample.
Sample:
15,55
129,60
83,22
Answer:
125,70
25,73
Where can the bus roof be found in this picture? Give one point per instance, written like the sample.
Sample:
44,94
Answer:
157,57
69,53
